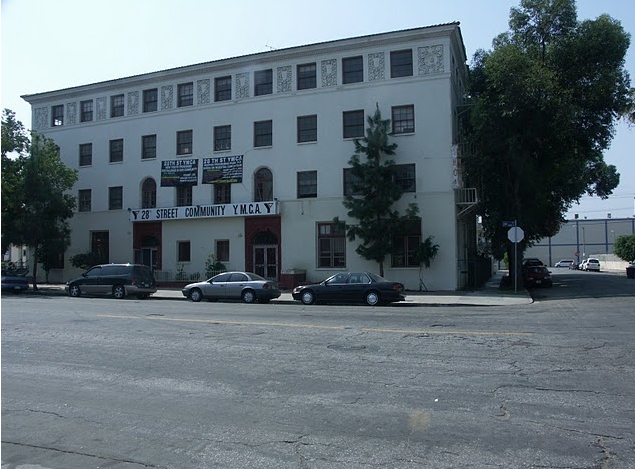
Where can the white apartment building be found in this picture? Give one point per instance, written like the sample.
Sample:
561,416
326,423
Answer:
245,159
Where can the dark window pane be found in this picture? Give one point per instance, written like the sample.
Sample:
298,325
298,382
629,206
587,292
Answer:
307,129
150,100
223,89
263,136
307,184
353,124
115,198
148,147
184,142
307,76
401,63
86,154
352,70
57,115
263,82
222,138
116,105
403,119
116,150
86,111
185,94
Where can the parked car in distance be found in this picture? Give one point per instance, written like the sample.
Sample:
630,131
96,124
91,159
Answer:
574,265
537,276
630,270
247,286
531,262
117,280
351,287
592,264
13,281
564,263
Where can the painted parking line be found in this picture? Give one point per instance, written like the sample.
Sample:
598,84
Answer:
315,326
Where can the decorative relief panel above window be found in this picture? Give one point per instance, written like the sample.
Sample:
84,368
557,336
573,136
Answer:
203,91
167,97
284,79
242,85
431,60
376,66
329,72
41,118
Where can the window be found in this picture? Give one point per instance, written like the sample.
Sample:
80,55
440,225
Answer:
116,150
307,76
223,88
352,70
263,82
184,196
222,193
263,185
403,119
184,251
263,133
116,105
401,63
351,182
307,129
406,246
86,111
57,115
186,94
405,177
86,154
331,245
307,184
84,199
222,250
184,142
148,147
115,198
99,246
150,100
149,194
222,137
353,124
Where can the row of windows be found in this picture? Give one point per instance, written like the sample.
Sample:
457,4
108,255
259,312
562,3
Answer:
331,247
307,187
306,78
352,121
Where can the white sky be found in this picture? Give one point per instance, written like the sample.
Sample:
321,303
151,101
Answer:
54,44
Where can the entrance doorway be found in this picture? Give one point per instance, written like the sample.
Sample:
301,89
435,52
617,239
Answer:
266,261
147,256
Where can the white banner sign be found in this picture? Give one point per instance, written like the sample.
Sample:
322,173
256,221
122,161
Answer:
249,209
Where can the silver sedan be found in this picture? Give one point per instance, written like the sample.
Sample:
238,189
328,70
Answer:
247,286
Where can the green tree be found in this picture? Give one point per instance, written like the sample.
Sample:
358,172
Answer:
85,260
373,194
625,247
46,205
14,144
424,255
544,105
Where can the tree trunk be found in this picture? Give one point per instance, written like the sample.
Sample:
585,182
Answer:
34,273
381,269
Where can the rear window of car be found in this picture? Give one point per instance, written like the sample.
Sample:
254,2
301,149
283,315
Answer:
142,270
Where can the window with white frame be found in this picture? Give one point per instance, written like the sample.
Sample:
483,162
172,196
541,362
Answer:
331,245
84,197
403,119
307,184
405,247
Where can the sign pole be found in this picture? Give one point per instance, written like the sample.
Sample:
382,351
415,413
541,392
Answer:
515,260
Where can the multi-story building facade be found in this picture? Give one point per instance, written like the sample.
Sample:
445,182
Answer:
246,158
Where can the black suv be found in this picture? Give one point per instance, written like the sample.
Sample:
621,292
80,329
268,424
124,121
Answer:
118,280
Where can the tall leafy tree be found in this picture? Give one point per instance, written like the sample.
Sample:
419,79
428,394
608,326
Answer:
15,141
545,102
374,193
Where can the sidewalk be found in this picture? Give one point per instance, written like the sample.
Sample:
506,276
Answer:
487,295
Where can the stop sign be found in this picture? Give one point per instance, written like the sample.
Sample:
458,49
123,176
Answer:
515,234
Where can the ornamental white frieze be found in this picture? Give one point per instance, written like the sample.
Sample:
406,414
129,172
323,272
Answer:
71,113
203,91
133,103
102,105
329,72
167,97
431,60
41,118
242,85
284,79
376,66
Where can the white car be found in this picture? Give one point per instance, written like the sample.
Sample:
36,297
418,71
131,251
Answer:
591,264
564,263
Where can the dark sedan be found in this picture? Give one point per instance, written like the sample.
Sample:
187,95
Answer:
14,282
351,287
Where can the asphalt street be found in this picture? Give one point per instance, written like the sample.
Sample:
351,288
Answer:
98,382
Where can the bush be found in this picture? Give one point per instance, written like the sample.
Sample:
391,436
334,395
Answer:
84,260
625,247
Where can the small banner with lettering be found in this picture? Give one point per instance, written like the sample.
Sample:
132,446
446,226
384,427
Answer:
179,172
223,170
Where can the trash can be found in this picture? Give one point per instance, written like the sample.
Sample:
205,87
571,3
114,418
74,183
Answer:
630,271
291,278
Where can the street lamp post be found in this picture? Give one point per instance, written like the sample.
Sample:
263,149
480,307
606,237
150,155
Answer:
583,244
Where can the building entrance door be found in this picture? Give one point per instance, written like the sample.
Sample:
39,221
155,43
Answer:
266,261
147,256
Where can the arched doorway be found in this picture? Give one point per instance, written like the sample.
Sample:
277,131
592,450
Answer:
265,254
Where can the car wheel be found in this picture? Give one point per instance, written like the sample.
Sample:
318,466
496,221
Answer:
307,297
249,296
74,291
372,298
119,292
196,295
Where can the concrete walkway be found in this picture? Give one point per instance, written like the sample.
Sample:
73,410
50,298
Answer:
488,295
